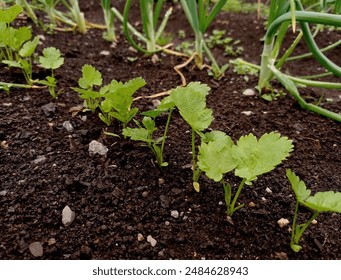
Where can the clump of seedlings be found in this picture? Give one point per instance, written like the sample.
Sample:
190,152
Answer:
113,100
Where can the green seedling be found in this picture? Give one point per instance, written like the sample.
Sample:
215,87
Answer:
118,98
12,39
91,77
145,134
113,100
248,158
328,201
51,59
24,59
191,103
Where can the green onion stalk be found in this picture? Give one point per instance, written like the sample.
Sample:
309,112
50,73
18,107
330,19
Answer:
29,11
150,13
304,18
200,18
110,34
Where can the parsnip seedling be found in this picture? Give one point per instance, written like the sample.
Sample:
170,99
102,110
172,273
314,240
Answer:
118,100
249,158
191,102
145,134
91,77
24,59
11,39
328,201
51,59
113,100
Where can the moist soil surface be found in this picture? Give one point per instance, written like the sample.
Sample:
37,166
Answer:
121,199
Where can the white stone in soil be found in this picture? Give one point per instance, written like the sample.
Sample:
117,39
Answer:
247,113
106,53
39,160
96,147
268,190
140,237
175,214
249,92
3,193
68,216
36,249
151,241
51,241
283,222
68,126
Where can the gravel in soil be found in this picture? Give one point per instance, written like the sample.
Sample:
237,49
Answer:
122,206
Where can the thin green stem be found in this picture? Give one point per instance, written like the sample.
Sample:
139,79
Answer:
316,76
166,131
227,194
289,51
194,163
318,84
231,208
307,55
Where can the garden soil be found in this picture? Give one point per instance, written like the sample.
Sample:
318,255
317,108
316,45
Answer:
124,202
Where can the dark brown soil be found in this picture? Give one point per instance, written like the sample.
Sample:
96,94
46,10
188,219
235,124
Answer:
126,194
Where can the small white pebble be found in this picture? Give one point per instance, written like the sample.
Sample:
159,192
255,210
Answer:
314,222
106,53
140,237
283,222
151,241
249,92
156,102
247,113
145,194
263,198
175,214
268,190
51,241
167,223
251,204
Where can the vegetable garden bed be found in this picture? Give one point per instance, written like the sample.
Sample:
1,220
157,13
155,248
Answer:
124,202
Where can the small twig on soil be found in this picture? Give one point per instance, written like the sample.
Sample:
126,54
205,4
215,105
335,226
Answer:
177,69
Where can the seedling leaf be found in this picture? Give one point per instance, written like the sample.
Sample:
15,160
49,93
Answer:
10,14
29,47
328,201
91,76
191,102
137,134
298,186
256,157
215,157
51,58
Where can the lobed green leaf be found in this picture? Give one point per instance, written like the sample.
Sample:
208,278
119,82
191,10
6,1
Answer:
191,102
90,77
51,58
328,201
29,47
10,14
256,157
136,134
215,157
